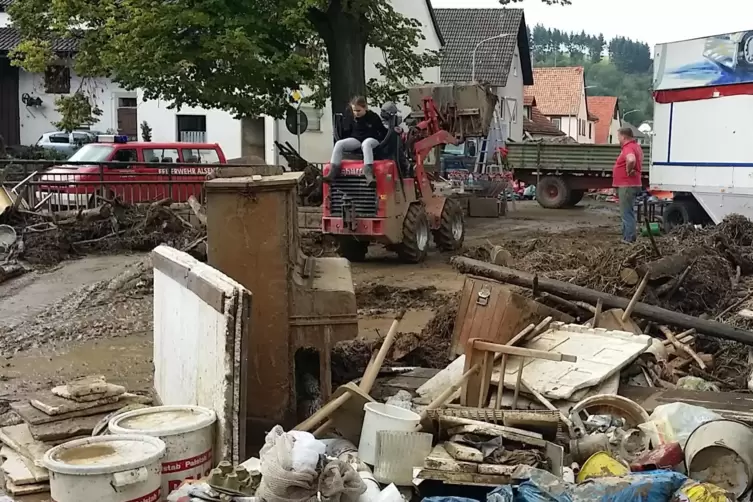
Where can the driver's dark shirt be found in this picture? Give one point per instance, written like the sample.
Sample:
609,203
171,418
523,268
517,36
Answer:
368,126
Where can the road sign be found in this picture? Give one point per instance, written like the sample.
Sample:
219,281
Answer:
296,121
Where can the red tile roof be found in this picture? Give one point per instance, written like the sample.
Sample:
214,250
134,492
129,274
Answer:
603,107
539,124
558,90
529,100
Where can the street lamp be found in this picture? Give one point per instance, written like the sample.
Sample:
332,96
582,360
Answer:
628,113
473,70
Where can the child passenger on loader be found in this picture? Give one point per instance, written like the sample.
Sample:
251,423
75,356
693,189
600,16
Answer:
364,130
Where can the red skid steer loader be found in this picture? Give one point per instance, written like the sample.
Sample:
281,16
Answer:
402,211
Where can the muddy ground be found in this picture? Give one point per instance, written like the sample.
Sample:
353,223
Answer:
93,315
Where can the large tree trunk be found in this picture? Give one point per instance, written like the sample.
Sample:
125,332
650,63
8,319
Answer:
345,36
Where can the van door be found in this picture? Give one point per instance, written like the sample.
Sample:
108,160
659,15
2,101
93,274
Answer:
163,185
122,179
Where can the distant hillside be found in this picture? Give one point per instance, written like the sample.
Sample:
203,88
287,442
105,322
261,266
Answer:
620,67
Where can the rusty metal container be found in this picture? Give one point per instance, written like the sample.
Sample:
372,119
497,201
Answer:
467,107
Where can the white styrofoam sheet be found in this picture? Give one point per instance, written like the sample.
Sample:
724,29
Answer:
196,347
600,354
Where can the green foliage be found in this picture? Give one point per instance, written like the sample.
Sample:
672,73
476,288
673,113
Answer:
241,56
75,111
146,132
626,73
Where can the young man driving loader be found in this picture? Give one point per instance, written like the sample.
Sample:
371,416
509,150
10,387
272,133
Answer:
362,129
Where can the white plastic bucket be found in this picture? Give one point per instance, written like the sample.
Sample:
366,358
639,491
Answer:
188,434
383,417
106,469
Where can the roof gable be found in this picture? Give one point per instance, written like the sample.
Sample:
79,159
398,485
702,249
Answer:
539,124
464,29
558,90
10,38
603,107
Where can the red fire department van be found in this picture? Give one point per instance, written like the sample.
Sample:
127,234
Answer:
138,179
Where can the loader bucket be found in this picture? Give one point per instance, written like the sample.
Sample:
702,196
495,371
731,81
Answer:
468,108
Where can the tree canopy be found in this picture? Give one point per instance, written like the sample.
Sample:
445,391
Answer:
620,67
241,56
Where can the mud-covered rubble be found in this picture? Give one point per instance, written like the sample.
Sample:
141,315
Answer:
46,239
118,307
376,298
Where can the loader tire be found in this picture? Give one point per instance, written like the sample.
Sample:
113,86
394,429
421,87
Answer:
451,232
415,243
552,192
352,249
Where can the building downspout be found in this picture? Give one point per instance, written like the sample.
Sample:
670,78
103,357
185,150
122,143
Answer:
270,137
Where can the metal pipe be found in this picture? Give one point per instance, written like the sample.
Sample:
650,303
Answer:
473,58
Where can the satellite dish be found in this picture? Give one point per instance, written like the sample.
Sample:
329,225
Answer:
645,128
296,121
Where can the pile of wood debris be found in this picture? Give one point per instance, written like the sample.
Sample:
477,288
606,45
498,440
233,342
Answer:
47,238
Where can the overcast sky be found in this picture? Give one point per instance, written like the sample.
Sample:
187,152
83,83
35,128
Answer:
652,21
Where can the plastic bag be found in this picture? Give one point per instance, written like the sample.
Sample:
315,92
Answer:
693,491
674,422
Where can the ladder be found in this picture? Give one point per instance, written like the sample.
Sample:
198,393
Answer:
488,147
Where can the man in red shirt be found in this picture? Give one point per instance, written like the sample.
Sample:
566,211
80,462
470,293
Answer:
626,178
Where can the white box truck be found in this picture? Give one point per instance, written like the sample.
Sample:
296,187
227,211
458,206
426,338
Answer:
702,148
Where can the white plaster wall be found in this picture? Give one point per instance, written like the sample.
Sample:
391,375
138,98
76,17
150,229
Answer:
197,343
512,93
36,121
614,128
4,19
222,127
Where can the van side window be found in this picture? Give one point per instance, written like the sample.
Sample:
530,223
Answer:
160,155
125,155
200,156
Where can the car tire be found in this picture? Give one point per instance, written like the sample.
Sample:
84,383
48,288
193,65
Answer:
679,213
745,52
552,192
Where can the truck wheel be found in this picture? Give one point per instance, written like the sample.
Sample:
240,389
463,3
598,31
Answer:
451,232
352,249
745,51
552,192
575,197
678,213
415,242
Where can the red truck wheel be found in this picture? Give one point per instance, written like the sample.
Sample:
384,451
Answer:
552,192
415,242
451,232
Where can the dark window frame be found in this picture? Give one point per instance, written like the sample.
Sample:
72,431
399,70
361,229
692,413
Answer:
57,79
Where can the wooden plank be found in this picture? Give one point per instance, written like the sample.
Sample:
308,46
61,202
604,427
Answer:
440,460
497,470
34,416
21,470
498,430
80,426
19,491
464,478
463,453
731,405
20,440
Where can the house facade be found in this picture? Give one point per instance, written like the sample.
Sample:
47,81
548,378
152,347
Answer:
560,94
607,110
123,111
27,100
499,38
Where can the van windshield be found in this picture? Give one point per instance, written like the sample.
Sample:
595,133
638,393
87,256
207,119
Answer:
454,149
93,152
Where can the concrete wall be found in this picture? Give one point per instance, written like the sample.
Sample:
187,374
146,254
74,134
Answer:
35,121
200,319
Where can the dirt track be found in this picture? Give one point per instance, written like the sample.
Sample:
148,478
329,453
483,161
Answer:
77,320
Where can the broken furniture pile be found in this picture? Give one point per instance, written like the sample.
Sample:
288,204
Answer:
78,409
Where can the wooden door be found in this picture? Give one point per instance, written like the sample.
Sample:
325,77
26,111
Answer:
10,120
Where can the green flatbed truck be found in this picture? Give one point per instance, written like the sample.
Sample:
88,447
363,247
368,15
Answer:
564,172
